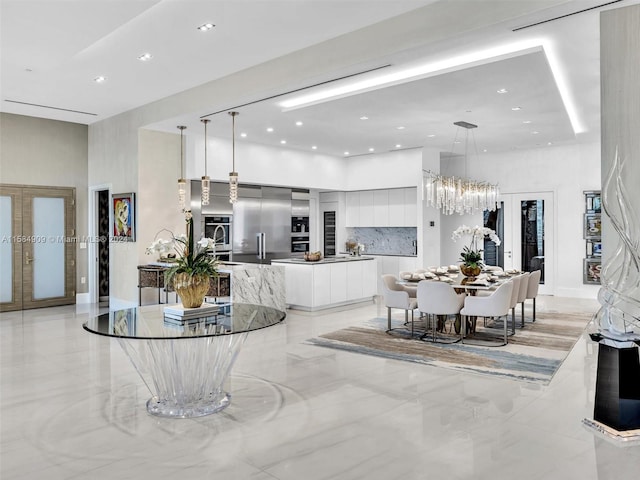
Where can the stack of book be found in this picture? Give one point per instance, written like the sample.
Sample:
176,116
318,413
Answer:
179,313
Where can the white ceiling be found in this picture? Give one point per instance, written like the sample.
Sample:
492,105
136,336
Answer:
53,49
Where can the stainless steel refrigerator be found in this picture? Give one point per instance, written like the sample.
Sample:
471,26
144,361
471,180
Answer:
261,224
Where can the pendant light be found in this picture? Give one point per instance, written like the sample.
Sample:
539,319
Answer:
206,181
182,183
233,175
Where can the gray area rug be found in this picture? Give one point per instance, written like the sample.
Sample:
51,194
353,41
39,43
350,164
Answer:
533,354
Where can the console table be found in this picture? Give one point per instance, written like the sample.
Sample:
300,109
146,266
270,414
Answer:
184,363
152,276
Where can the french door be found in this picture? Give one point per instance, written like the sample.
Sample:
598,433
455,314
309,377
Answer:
37,247
528,235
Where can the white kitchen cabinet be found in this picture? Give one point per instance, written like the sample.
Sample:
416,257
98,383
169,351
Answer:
319,285
410,207
407,264
338,282
352,209
396,200
316,286
381,208
390,265
366,209
354,279
369,278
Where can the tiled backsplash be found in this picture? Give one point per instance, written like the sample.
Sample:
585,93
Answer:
385,240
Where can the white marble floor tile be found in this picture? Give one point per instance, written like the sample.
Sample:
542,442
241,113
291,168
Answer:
73,407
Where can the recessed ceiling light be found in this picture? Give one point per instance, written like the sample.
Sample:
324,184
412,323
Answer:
346,153
100,79
398,145
270,129
364,118
243,134
431,135
457,141
299,123
283,142
372,149
503,90
526,121
145,57
535,132
515,109
400,127
485,150
314,147
206,27
549,143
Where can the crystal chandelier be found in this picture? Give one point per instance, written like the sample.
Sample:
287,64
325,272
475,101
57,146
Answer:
182,183
206,181
459,195
233,175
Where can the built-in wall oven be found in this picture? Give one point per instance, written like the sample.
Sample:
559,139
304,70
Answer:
299,235
219,228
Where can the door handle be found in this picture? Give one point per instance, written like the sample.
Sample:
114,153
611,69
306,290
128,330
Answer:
27,259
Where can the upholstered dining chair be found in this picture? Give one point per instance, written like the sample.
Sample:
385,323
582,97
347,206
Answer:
436,299
412,290
522,293
532,289
517,282
494,306
396,297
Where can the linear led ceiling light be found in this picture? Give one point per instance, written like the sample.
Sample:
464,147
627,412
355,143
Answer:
445,66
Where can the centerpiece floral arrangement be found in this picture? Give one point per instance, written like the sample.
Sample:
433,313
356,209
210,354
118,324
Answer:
471,255
194,264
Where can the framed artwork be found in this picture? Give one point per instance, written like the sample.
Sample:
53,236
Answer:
124,213
594,248
593,203
592,226
591,271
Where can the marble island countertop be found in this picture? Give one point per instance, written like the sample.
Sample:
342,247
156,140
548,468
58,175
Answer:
324,261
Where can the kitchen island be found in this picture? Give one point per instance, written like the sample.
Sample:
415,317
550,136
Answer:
330,282
256,284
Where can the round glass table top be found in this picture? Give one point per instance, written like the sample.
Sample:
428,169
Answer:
172,322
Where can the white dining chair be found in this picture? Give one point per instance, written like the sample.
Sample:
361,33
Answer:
522,293
438,299
532,289
495,305
517,282
396,297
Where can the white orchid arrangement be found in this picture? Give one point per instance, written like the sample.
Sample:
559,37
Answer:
471,255
193,258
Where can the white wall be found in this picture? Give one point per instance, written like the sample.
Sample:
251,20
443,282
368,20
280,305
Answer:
35,151
402,168
565,170
263,164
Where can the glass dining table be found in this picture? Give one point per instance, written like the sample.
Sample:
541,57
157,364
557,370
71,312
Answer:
184,363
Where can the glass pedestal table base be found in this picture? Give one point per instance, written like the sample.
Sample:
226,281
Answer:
184,364
186,377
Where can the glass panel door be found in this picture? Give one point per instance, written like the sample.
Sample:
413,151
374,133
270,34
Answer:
10,248
528,235
6,249
48,248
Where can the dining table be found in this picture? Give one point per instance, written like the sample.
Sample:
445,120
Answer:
487,281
